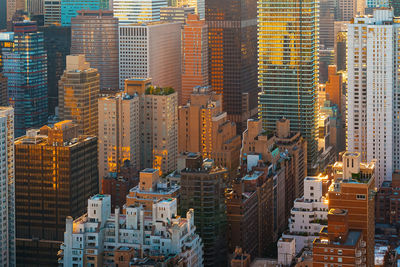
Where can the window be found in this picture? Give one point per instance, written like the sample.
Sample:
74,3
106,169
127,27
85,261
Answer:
361,197
339,260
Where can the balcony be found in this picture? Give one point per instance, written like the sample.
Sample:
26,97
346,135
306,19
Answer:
358,261
358,254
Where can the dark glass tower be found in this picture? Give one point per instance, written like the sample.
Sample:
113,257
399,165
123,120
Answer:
57,43
26,70
288,67
3,14
232,47
396,7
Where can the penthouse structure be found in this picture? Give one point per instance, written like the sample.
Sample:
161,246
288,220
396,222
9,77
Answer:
353,190
102,238
55,173
309,213
151,189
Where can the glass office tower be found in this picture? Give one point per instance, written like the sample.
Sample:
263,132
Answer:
70,8
26,69
288,67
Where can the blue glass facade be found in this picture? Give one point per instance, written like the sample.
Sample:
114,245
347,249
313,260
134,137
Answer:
70,8
26,69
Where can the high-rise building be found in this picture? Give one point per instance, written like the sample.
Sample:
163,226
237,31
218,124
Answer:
34,7
175,14
7,188
353,190
340,44
138,11
347,9
78,94
95,34
202,188
3,15
387,210
119,132
26,69
284,161
326,23
52,12
55,173
57,43
156,50
373,106
99,237
70,8
159,129
250,219
194,57
3,91
12,7
232,50
295,144
339,243
6,45
288,67
395,4
205,128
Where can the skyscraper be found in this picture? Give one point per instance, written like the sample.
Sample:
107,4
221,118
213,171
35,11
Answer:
202,188
69,8
198,5
26,70
95,34
55,173
288,67
3,91
159,129
3,14
373,106
78,94
7,188
205,128
232,50
118,133
395,4
175,14
57,43
194,56
327,19
347,9
137,11
155,48
52,12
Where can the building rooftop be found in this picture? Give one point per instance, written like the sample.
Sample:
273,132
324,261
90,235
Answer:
149,170
252,176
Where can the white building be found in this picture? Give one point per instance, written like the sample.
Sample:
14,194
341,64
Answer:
309,213
373,116
7,188
137,11
98,236
286,251
151,50
118,132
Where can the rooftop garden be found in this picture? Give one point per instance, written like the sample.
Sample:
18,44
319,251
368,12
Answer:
151,90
